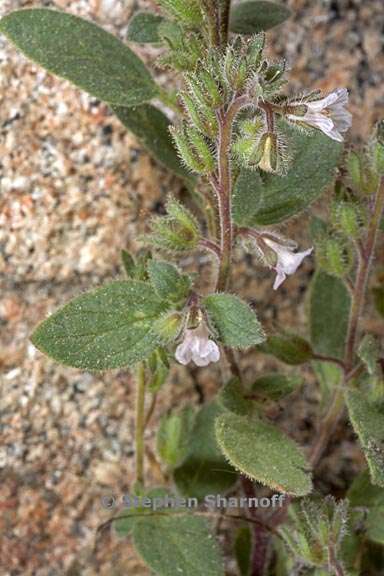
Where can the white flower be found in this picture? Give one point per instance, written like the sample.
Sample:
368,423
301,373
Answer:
198,347
287,260
328,114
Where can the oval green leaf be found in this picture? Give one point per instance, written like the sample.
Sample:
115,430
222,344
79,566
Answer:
81,52
178,544
368,422
235,322
330,304
252,16
143,28
263,453
110,327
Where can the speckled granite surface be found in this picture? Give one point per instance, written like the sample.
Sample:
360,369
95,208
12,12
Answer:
75,189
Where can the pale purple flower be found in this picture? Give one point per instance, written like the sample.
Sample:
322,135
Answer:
287,260
328,114
197,346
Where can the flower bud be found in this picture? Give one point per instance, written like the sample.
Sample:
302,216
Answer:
338,258
169,326
267,153
178,231
378,148
346,218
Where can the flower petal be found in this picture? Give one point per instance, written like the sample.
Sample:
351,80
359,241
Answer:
183,353
280,277
214,351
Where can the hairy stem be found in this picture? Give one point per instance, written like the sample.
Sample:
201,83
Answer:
261,534
223,187
211,246
212,14
365,262
140,423
358,297
224,21
334,562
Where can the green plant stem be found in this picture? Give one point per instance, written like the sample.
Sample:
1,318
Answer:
323,358
140,423
261,533
224,21
333,561
223,187
364,266
212,14
358,297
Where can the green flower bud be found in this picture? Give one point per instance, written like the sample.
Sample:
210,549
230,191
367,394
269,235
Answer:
346,218
338,259
202,150
169,327
377,148
354,168
187,13
178,231
255,50
185,150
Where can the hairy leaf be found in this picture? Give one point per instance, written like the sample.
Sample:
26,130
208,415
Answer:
81,52
168,281
251,16
330,305
151,127
276,386
272,198
178,544
246,197
262,452
369,352
289,348
143,28
174,435
362,494
368,422
109,327
235,322
231,398
204,470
